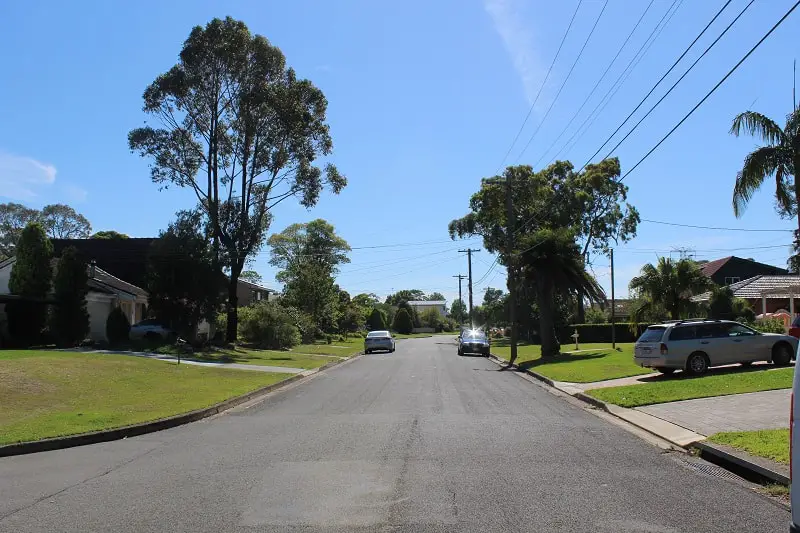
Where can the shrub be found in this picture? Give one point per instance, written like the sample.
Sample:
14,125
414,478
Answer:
769,325
403,323
377,320
268,325
70,319
432,319
30,277
596,316
117,327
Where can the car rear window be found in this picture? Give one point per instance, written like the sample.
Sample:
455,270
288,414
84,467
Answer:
652,334
373,334
683,333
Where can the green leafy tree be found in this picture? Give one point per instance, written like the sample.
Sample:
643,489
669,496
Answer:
377,320
269,326
366,299
70,319
13,219
494,307
403,323
252,276
458,310
435,297
63,222
309,256
183,284
110,234
670,285
403,304
724,305
118,327
241,131
595,315
409,295
550,213
552,261
30,277
431,318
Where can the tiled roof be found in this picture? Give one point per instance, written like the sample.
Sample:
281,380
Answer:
255,285
757,286
103,280
710,268
427,302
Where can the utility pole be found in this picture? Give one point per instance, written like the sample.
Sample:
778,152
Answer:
460,277
512,282
469,251
613,305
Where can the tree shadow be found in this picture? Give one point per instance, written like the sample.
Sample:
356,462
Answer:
563,358
714,371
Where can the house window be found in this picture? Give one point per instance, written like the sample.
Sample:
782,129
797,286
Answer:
732,279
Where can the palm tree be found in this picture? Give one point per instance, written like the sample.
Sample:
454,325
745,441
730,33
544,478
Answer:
670,285
779,157
551,260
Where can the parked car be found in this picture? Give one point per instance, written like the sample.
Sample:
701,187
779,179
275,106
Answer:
151,329
695,345
378,340
794,490
473,341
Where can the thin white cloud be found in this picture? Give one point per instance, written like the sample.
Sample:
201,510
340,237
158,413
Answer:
73,193
21,177
519,43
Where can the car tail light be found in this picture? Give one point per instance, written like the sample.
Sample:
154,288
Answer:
664,350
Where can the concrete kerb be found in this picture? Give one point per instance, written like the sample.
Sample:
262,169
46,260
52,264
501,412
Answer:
69,441
679,436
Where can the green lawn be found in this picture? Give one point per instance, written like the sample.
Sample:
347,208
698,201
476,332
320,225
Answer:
594,362
670,389
770,443
48,394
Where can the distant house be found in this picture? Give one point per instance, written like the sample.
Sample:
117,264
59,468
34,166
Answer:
766,294
622,308
250,293
729,270
420,306
105,292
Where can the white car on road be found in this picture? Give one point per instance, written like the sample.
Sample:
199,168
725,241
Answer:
694,345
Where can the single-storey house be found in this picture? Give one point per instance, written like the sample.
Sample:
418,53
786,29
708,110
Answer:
732,269
766,294
420,306
105,292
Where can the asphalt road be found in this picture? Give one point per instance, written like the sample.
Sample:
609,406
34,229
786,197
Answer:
419,440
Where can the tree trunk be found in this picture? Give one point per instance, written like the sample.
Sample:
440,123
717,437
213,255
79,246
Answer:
547,332
580,317
233,304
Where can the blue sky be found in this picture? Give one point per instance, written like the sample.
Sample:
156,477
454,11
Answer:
424,100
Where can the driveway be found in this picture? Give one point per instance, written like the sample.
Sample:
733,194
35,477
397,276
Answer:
416,441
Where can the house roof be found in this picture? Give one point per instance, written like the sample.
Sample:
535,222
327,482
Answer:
103,280
255,286
124,258
758,286
427,302
710,268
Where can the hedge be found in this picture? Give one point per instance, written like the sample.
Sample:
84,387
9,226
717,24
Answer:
596,333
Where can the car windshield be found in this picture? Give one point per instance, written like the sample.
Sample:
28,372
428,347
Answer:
374,334
474,335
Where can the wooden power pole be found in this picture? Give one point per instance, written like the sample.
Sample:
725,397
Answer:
469,251
613,304
460,277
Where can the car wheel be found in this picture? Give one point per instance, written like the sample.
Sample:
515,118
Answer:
664,370
697,363
460,353
367,352
781,354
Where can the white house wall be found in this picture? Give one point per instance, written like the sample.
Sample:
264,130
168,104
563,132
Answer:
5,274
98,307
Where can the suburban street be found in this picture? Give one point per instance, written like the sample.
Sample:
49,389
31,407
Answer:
418,440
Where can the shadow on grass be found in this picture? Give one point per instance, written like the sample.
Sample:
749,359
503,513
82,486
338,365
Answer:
563,358
714,371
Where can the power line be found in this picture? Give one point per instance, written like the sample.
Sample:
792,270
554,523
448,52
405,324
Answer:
547,76
602,77
547,113
675,64
622,78
730,72
713,227
674,84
